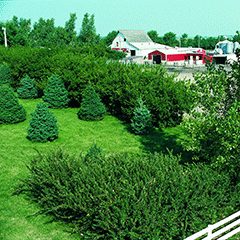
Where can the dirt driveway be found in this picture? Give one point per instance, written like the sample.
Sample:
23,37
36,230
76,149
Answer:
186,72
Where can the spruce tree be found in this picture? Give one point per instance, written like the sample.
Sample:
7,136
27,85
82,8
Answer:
55,94
92,109
43,125
5,74
27,89
141,121
10,109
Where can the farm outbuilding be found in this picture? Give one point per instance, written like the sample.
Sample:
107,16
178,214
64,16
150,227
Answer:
178,56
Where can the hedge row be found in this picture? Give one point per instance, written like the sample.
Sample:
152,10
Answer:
125,196
119,85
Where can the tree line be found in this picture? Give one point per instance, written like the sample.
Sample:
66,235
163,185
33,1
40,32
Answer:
44,33
170,39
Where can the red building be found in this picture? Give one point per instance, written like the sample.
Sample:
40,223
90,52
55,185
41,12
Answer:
179,55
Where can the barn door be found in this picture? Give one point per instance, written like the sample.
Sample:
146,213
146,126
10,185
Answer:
157,59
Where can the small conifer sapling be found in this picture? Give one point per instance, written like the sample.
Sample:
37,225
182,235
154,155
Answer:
27,89
43,124
141,121
10,109
5,74
55,94
92,109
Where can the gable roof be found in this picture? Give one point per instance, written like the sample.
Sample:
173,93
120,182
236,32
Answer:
135,35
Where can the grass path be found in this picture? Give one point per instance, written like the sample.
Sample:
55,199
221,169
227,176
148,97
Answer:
17,220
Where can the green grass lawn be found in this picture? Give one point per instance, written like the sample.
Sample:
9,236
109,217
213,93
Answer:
17,219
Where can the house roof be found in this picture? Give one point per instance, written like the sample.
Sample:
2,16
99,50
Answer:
135,35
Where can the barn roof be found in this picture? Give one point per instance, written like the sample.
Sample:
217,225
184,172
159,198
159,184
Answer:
149,45
135,35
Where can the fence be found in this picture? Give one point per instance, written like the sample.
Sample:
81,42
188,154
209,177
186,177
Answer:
210,228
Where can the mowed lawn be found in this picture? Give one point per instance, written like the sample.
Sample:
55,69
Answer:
17,213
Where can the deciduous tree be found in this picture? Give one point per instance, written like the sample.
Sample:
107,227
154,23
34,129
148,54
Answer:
88,30
43,33
170,39
109,38
214,125
17,31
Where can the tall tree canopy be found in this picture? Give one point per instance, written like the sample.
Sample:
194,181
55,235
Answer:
109,38
88,30
154,36
70,29
43,32
170,39
17,31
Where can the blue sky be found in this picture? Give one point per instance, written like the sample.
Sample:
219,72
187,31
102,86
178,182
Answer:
194,17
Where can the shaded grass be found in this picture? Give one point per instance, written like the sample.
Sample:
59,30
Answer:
17,220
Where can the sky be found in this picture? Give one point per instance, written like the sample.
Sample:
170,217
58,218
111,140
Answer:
194,17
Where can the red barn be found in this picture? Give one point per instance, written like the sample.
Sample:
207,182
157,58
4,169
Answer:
179,56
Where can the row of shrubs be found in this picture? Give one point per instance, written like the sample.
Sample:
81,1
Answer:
122,196
118,85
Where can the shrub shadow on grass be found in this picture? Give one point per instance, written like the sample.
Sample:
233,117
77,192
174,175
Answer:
166,140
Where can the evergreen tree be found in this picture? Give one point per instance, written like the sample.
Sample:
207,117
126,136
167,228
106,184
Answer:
5,74
92,109
55,94
43,125
10,109
141,121
27,89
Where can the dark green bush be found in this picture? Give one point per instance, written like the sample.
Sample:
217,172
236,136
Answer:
5,74
34,62
55,94
141,121
92,109
43,125
10,109
27,89
127,196
165,98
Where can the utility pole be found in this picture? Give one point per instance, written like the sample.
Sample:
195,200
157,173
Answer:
5,36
